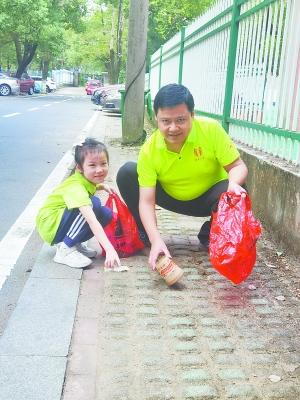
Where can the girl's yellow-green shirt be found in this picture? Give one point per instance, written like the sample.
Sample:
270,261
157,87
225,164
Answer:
74,192
198,166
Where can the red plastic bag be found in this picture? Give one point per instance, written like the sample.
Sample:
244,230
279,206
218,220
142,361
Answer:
233,235
122,231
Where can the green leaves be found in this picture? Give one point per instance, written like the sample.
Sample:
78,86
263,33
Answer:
90,41
166,18
39,24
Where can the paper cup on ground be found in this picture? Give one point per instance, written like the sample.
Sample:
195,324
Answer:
168,270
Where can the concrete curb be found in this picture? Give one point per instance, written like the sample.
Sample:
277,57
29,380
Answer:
35,343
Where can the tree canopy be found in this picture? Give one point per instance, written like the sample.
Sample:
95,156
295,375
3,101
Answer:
73,34
28,23
166,18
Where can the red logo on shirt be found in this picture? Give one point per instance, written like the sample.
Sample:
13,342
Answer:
197,153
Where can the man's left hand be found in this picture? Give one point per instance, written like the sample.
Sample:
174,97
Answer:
235,188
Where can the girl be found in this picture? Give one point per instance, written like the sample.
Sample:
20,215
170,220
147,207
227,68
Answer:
72,214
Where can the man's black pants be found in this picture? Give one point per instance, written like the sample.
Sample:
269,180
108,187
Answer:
202,206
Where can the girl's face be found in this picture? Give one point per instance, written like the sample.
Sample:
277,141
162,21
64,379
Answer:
95,167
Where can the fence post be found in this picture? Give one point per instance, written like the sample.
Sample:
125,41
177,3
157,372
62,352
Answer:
233,39
182,37
149,81
160,66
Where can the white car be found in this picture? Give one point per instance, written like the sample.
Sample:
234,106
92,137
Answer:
8,85
50,84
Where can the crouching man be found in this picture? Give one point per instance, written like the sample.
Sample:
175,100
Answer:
184,167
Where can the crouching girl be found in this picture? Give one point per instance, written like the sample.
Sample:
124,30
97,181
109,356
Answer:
72,214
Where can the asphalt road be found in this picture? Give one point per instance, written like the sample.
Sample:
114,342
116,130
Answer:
35,133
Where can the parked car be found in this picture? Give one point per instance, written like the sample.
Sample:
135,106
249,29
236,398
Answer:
50,84
100,95
112,100
26,84
92,85
8,85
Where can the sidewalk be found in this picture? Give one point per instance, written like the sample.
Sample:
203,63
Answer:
134,338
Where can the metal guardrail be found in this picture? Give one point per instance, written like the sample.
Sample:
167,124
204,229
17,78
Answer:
241,60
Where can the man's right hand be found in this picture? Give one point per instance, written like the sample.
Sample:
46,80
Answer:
147,213
157,247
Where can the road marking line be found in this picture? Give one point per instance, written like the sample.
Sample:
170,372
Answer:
33,109
11,115
13,243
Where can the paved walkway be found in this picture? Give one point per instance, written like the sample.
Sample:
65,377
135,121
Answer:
135,338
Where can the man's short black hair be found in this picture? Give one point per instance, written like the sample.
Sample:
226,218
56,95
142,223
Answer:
172,95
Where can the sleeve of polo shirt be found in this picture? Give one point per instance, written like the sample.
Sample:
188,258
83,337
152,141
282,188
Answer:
146,172
76,196
225,149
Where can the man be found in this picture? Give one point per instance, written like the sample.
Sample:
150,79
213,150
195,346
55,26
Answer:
183,167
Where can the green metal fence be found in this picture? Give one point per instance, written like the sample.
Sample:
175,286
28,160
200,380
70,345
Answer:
241,61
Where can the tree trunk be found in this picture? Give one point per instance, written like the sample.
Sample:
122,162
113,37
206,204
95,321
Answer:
119,39
111,50
17,43
115,45
45,69
28,54
133,115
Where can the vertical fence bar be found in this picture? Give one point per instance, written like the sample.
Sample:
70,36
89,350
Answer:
182,37
233,39
160,66
149,79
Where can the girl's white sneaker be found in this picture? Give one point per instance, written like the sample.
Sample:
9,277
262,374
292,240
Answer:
85,250
71,257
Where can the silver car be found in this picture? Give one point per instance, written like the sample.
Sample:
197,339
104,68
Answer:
8,85
112,99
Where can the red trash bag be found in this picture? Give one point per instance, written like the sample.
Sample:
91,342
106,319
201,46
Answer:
233,235
122,230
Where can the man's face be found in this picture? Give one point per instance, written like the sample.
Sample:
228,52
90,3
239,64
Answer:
175,124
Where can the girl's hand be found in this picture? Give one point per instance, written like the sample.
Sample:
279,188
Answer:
111,258
107,188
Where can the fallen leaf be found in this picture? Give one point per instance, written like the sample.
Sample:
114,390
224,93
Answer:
271,265
121,268
274,378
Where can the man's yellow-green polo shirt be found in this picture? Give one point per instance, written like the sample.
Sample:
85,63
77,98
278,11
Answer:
74,192
198,166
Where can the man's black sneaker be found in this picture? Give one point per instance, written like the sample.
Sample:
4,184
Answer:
204,244
203,235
